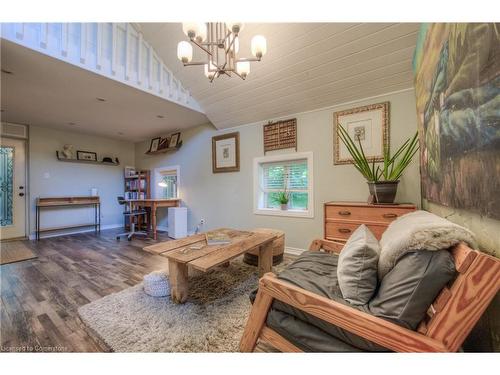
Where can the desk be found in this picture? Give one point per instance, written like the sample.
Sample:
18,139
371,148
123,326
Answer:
68,202
154,204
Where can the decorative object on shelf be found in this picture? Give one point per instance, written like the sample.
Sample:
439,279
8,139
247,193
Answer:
107,159
163,143
280,135
382,179
226,153
94,192
164,150
153,146
129,171
86,155
220,42
68,151
174,140
369,125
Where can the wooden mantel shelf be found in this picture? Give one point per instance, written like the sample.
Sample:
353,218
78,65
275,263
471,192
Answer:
164,150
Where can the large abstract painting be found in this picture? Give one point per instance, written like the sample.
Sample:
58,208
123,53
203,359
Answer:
457,85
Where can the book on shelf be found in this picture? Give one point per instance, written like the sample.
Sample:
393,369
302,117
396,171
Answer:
216,238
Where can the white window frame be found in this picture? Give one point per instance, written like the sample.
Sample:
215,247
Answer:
257,193
158,177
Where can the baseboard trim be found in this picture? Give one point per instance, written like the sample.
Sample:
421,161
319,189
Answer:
32,236
294,250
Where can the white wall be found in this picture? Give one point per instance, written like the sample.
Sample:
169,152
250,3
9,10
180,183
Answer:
226,199
50,177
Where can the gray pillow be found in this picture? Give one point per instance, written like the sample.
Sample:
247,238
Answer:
358,266
408,290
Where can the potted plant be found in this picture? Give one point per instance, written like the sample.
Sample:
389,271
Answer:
382,177
282,198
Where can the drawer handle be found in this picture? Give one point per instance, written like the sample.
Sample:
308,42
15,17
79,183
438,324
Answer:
344,230
390,216
344,213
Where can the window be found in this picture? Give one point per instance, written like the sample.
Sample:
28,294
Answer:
167,182
284,173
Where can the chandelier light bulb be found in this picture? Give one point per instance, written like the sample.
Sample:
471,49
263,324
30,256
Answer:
184,52
258,46
235,27
243,68
210,73
191,29
201,36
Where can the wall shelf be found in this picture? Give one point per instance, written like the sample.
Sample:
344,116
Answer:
164,150
84,161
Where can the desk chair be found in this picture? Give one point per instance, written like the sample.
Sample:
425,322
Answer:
132,214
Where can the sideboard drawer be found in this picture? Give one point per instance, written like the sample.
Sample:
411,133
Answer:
343,230
376,214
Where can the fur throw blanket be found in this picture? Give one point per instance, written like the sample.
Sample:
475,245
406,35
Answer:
419,230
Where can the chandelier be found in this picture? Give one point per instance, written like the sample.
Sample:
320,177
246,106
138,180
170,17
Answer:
220,42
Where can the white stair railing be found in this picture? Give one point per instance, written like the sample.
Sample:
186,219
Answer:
114,50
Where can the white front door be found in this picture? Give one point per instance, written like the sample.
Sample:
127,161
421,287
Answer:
12,188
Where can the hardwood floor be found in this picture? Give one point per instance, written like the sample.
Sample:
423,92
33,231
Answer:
40,297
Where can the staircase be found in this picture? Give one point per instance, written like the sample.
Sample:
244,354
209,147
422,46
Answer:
114,50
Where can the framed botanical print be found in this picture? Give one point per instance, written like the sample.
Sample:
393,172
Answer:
155,142
174,140
226,153
369,125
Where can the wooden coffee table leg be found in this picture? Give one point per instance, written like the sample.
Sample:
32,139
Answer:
265,258
178,276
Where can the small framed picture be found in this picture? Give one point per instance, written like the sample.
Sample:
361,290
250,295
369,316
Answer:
368,126
155,142
163,143
86,155
174,140
226,153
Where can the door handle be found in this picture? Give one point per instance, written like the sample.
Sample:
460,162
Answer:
21,194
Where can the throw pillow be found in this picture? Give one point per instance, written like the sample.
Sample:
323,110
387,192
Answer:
358,265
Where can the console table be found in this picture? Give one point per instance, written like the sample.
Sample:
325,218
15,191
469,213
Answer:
45,203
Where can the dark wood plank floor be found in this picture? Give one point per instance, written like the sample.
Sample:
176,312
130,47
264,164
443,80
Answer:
40,297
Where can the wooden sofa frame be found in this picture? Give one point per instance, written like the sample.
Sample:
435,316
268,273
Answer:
449,319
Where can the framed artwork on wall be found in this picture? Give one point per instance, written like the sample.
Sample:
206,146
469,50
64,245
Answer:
86,155
226,153
174,140
367,124
155,143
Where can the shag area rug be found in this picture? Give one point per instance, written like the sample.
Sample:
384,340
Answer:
212,319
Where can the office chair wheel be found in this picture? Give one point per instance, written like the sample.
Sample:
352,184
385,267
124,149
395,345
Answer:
118,238
129,238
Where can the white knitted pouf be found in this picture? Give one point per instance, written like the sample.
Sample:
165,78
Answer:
156,284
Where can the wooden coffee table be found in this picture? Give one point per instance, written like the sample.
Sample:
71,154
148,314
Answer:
180,256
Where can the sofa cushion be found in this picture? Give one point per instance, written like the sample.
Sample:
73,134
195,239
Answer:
416,231
408,290
305,336
358,266
317,272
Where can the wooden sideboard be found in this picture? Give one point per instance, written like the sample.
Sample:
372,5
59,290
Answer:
342,218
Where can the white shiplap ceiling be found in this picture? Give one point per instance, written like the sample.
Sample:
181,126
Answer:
307,66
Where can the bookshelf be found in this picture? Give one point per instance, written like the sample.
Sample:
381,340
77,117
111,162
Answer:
138,186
